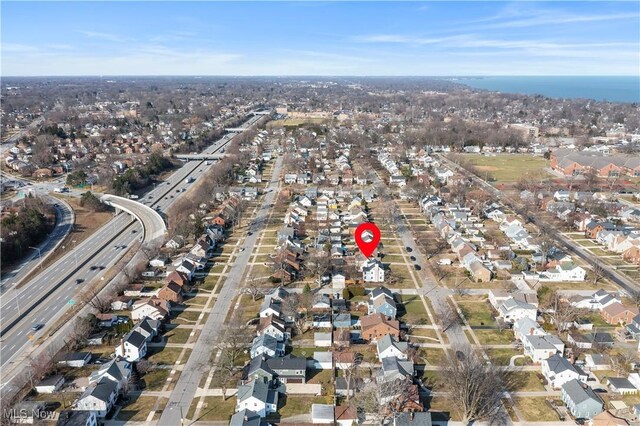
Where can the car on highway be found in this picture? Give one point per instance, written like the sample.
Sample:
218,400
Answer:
36,327
93,268
249,233
242,249
413,258
79,281
417,267
133,231
409,249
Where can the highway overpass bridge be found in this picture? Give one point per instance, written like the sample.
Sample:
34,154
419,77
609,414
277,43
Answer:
152,223
201,156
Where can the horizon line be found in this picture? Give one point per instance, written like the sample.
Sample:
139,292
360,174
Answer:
321,75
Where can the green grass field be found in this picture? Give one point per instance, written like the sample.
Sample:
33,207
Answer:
505,168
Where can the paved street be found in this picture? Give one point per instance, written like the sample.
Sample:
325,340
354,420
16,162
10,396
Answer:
187,384
64,224
48,296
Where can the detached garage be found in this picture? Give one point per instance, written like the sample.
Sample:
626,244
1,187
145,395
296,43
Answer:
321,361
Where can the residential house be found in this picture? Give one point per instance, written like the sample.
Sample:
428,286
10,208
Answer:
597,301
389,347
77,418
245,417
132,347
565,271
272,326
580,400
267,345
376,326
526,326
257,368
559,370
154,308
541,347
117,370
616,313
99,397
372,271
395,369
257,397
512,309
171,292
381,301
289,368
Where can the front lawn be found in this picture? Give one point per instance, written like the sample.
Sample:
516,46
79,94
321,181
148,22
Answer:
494,337
166,356
477,313
536,410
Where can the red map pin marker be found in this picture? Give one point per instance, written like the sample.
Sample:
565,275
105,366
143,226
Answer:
367,237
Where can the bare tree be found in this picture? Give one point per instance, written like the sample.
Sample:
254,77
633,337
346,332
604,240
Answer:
351,371
597,271
446,315
621,361
475,388
382,400
255,287
440,272
561,312
144,366
236,338
297,307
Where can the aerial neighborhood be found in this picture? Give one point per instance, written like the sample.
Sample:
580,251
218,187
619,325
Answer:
210,270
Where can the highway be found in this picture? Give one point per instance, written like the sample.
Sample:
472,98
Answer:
46,297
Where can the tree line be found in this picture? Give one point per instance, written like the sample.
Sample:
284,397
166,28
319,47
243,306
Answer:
27,227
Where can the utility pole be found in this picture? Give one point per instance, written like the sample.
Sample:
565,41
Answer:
39,255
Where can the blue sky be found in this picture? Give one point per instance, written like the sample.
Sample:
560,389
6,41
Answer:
320,38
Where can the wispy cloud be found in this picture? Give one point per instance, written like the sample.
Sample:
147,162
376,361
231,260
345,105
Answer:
401,39
18,48
549,18
104,36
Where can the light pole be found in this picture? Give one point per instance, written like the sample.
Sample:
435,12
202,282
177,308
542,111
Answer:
39,255
75,253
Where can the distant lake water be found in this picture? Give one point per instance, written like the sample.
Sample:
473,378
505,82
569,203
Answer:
601,88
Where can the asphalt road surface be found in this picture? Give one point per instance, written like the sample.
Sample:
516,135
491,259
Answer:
64,224
46,297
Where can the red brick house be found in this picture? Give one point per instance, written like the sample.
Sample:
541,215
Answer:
376,326
616,313
171,292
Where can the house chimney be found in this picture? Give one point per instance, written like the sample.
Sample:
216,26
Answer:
122,347
531,331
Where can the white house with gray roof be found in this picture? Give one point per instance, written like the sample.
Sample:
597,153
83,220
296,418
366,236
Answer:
558,371
257,397
98,397
511,310
541,347
389,347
